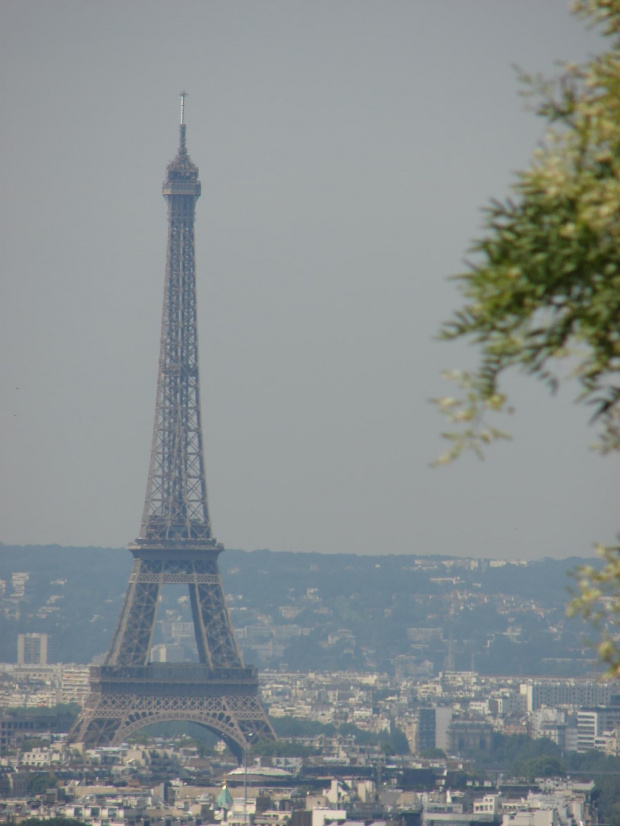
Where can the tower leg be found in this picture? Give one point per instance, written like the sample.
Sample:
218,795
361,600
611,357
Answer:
214,637
131,644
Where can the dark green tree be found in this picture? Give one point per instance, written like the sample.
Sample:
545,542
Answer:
545,766
52,821
40,782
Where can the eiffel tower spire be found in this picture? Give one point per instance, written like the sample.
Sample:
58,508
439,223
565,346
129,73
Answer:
176,508
175,544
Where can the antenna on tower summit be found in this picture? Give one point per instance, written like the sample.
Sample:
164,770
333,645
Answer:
182,146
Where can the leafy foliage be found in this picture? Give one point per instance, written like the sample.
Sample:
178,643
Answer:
52,821
607,799
520,756
542,292
40,782
545,766
516,754
393,742
282,748
396,743
296,727
432,754
597,600
544,280
68,710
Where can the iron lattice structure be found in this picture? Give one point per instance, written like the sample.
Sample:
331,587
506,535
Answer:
175,543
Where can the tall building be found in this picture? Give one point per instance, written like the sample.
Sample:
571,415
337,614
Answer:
176,544
425,736
593,723
32,649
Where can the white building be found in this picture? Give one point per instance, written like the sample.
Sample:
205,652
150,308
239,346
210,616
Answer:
573,692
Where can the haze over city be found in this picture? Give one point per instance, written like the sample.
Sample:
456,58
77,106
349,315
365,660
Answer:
345,151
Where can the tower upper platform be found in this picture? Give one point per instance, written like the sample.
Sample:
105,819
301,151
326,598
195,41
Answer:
181,173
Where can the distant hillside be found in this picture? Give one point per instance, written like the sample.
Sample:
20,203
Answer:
315,611
72,594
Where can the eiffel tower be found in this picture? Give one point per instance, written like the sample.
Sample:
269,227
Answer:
175,544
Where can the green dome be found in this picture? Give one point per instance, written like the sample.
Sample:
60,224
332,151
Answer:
224,799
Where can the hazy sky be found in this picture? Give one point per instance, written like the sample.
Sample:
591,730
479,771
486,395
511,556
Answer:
345,149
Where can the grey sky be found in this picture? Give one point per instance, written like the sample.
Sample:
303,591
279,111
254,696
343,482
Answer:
345,149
